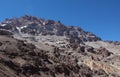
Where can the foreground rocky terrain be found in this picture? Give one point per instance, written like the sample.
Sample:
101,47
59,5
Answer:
34,47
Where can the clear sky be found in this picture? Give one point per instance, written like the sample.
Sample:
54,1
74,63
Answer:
102,17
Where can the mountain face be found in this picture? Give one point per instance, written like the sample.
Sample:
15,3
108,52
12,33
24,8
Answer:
39,27
35,47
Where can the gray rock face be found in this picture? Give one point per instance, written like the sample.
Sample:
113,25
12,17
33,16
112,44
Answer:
36,26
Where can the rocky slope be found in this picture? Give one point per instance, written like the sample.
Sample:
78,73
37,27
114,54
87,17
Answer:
21,59
34,47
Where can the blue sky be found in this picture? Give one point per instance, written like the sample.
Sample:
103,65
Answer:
102,17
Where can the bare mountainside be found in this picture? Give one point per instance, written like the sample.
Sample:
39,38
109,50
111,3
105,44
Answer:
35,47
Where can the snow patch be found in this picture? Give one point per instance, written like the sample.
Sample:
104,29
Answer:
18,29
3,25
23,27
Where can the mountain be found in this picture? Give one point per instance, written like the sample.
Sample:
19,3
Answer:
35,47
35,26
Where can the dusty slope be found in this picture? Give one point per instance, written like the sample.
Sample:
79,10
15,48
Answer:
113,60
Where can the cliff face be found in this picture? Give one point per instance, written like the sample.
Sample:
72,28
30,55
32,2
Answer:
34,47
